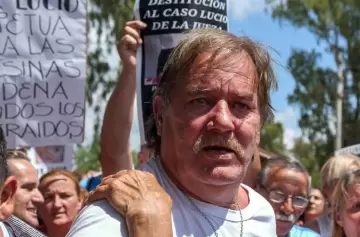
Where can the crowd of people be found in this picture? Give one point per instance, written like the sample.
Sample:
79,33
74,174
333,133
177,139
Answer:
200,171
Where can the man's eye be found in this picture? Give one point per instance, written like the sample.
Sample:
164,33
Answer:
199,101
241,106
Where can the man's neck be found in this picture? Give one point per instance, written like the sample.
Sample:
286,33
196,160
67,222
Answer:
233,197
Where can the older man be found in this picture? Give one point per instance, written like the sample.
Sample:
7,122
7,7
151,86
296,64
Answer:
213,97
27,196
286,184
9,224
8,183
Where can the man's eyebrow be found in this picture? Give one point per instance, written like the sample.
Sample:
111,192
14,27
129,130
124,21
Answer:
200,90
197,90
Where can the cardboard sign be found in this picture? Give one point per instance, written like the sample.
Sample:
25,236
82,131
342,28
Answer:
42,71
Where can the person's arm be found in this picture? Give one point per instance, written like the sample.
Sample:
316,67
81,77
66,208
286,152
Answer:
115,135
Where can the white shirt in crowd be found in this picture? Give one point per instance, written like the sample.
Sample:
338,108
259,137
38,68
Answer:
100,219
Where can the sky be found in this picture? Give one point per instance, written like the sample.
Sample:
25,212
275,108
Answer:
248,18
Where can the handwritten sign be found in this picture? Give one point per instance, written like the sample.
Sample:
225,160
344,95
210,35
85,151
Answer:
166,22
42,71
47,158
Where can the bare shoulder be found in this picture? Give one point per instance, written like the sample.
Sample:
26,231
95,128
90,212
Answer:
98,219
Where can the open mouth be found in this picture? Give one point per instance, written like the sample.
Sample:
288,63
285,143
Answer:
218,149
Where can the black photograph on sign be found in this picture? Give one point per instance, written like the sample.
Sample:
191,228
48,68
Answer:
167,20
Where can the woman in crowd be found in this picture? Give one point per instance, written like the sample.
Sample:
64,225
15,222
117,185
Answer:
346,206
63,199
314,209
331,172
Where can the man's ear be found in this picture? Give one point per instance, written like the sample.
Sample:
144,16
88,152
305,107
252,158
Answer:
7,197
158,108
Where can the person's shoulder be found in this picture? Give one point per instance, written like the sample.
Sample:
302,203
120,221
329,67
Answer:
304,232
98,219
258,203
154,167
313,225
260,212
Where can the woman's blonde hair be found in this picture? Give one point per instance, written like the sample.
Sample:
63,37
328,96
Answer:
336,167
339,194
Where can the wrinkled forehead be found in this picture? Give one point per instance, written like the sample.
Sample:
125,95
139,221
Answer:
55,181
281,175
235,71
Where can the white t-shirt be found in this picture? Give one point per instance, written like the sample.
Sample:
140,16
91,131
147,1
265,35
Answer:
100,219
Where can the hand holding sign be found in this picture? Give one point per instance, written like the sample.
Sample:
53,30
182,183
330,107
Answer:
129,42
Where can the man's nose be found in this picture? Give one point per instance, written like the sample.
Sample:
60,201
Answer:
287,206
222,120
37,197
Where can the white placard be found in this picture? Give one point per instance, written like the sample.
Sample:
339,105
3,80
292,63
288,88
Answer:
42,71
354,149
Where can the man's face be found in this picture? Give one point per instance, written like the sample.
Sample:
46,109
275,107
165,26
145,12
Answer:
27,196
210,129
290,186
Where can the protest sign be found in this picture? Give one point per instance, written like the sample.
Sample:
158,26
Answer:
42,71
354,149
51,157
166,22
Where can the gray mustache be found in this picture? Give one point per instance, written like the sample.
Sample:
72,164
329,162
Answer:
282,217
231,144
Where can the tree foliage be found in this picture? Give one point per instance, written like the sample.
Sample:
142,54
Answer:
336,26
272,138
106,18
306,153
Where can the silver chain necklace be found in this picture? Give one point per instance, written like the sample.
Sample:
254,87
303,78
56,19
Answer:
211,224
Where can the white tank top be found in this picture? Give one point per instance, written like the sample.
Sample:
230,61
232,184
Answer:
324,223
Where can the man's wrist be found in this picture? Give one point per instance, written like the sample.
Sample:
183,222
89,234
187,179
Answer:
128,69
149,225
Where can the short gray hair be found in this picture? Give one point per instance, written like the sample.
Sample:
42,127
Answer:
282,162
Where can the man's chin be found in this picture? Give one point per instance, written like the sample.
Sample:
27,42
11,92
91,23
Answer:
283,227
220,175
31,220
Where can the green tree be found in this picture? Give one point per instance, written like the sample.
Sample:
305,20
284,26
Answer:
306,153
87,157
106,18
336,25
134,158
272,138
